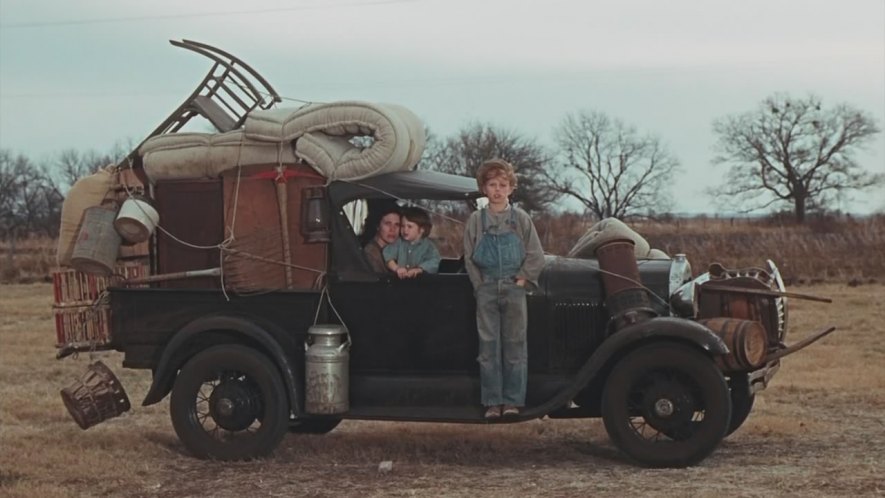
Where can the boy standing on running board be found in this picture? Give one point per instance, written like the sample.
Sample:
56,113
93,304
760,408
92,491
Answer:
503,255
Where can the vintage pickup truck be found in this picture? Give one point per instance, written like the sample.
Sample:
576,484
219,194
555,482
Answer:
234,348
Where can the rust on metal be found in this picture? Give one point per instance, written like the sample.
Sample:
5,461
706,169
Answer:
765,292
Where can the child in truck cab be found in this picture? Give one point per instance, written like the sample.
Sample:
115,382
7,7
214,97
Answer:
413,253
503,256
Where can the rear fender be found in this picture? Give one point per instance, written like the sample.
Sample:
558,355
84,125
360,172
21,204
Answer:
238,329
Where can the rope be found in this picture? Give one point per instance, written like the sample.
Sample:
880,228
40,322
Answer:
639,284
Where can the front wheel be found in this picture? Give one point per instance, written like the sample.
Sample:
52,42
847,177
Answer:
741,401
229,403
666,405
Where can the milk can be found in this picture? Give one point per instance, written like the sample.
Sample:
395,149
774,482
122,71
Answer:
327,370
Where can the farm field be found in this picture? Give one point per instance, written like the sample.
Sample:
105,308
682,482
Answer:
818,430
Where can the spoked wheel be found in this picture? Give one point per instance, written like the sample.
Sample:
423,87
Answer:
314,426
229,403
666,405
741,401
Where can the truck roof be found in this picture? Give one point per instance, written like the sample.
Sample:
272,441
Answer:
418,184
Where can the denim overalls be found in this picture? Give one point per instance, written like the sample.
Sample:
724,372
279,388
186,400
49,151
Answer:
501,315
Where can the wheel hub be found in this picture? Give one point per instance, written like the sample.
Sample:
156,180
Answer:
669,406
233,405
664,407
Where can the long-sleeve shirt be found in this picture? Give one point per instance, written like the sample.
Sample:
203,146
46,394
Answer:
498,223
421,253
374,255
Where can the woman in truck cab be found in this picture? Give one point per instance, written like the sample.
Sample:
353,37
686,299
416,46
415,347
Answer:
386,233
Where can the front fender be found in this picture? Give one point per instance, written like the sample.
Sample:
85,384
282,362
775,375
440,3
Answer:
238,327
661,328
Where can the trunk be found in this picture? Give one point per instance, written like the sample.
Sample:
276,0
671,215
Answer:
10,255
799,204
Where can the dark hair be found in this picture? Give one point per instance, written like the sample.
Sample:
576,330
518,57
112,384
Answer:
378,208
419,217
391,209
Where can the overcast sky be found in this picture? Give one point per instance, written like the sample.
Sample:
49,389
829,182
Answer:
92,73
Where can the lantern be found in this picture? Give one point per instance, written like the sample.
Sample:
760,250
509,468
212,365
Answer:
314,215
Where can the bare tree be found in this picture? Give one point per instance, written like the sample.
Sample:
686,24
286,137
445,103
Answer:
464,152
72,164
611,168
792,150
29,199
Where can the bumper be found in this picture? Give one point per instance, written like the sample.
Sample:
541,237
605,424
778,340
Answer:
759,379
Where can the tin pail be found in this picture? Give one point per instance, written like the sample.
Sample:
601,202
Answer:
95,397
136,220
98,243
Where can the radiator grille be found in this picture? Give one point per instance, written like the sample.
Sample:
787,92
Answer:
579,329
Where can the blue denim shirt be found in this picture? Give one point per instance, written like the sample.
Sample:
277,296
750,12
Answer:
419,254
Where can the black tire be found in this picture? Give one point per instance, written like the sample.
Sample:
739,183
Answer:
666,405
314,426
741,401
229,403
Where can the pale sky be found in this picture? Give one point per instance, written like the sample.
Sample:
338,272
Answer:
92,73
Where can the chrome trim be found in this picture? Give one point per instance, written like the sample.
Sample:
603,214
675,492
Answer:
777,283
684,300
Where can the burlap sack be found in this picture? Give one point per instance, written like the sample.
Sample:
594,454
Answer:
657,254
607,230
86,192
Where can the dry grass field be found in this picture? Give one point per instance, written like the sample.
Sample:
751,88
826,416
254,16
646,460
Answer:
819,430
827,249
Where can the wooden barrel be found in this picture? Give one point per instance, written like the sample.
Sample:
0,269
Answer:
746,341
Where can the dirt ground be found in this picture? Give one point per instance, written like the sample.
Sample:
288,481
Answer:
818,430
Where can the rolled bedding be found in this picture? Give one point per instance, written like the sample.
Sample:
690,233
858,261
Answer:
322,135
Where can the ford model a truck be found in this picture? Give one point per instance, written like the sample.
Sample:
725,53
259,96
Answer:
257,312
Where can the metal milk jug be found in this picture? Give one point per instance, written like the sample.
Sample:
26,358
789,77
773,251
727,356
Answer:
327,370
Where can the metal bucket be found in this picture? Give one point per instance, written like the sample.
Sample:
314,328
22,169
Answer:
98,243
95,397
327,370
136,220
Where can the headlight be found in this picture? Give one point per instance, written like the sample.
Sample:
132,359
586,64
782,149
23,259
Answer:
683,289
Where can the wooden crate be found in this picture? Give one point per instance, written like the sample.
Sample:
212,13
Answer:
82,320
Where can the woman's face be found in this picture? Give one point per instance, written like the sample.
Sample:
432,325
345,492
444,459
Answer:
388,228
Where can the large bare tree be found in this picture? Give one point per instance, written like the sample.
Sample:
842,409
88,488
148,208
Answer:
611,168
792,150
464,152
29,199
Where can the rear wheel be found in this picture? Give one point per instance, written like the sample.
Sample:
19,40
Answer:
666,405
229,403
